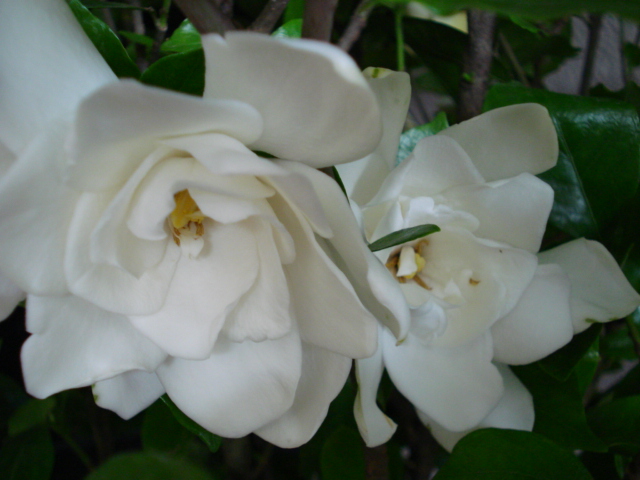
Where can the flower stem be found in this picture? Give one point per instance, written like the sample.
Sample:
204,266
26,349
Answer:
400,40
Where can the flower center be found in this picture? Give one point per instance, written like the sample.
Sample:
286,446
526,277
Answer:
408,262
186,224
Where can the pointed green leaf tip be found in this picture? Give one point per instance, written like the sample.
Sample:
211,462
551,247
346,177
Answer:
213,441
403,236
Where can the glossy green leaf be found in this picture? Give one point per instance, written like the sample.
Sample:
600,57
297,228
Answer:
338,179
106,41
295,9
540,9
411,137
617,423
31,414
494,454
106,4
291,29
28,456
211,440
559,410
599,164
181,72
587,367
342,456
184,39
561,363
440,47
148,466
403,236
161,431
143,40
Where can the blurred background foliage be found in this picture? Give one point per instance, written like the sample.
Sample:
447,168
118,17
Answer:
581,60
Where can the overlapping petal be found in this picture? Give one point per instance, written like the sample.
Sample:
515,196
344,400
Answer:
129,393
309,94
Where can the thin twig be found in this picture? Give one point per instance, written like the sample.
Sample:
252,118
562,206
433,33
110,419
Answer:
520,73
356,24
595,24
477,63
317,20
206,16
269,16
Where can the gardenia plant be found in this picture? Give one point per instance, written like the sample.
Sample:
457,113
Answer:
481,295
159,252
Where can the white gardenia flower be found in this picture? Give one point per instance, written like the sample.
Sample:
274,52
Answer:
159,253
481,297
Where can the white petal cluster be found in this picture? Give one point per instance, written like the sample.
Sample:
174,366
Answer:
481,295
160,254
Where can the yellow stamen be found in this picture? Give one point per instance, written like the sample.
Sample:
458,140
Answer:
186,214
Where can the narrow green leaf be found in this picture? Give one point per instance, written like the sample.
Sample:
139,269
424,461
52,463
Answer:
185,39
336,177
181,72
342,456
107,4
28,456
143,40
599,164
540,9
148,466
403,236
105,40
561,363
211,440
295,9
618,424
559,410
410,138
291,29
494,454
31,414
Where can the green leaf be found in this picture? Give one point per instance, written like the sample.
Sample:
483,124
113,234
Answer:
107,4
540,9
559,410
106,41
185,39
618,424
561,363
342,456
181,72
338,179
291,29
494,454
403,236
31,414
148,466
295,9
410,138
211,440
143,40
161,431
28,456
629,385
599,164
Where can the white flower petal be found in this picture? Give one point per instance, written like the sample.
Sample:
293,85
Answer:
240,388
129,393
363,178
599,290
316,106
437,163
508,141
375,427
35,211
375,286
514,411
202,292
541,321
109,287
264,311
47,65
329,313
120,124
482,280
75,343
7,157
456,387
10,296
323,376
513,211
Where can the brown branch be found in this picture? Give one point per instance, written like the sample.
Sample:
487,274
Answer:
356,25
317,20
269,16
477,63
206,16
